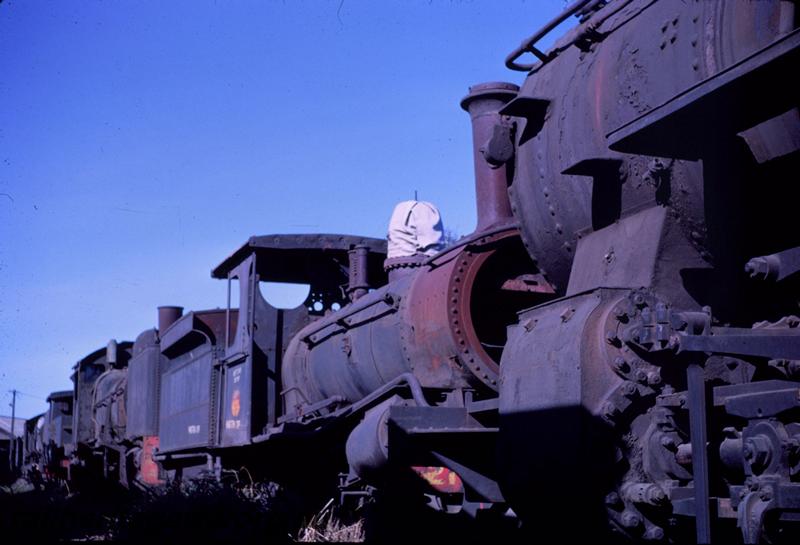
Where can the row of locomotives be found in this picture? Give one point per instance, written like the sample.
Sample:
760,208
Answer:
657,146
612,353
120,394
105,430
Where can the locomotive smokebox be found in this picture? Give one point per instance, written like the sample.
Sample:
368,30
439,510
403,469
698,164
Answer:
493,147
167,316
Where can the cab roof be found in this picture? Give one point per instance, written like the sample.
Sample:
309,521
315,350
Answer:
294,258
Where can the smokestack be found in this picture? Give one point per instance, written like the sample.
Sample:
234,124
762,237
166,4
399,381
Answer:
492,147
167,316
111,352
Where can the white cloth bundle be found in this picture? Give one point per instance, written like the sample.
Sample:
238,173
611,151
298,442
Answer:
415,228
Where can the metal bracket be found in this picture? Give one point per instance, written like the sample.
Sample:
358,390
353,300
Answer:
767,343
750,519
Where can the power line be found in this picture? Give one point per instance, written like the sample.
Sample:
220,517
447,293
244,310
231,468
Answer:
9,392
31,395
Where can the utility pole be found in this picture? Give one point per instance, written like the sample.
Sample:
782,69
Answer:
13,444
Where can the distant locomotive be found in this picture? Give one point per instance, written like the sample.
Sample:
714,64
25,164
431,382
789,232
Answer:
613,351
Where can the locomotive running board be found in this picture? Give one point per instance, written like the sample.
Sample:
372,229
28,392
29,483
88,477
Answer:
743,95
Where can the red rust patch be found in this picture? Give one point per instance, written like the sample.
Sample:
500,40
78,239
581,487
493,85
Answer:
149,469
440,478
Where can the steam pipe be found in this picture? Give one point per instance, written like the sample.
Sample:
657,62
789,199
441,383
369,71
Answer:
492,148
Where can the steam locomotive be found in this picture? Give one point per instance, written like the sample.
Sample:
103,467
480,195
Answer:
616,343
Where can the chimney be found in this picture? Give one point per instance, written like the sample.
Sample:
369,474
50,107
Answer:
493,147
166,317
111,353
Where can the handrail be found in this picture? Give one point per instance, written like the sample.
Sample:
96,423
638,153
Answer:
528,44
587,30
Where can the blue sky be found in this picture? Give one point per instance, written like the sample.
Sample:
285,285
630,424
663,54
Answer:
142,142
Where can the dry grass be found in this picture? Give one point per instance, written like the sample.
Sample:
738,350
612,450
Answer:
326,527
207,512
195,512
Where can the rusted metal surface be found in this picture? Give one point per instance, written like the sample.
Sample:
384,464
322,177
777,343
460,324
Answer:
168,315
443,320
493,147
681,81
709,112
149,469
562,377
644,54
528,282
457,307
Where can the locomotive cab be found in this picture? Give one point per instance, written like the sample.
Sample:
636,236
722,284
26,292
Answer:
58,433
98,421
220,374
333,266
